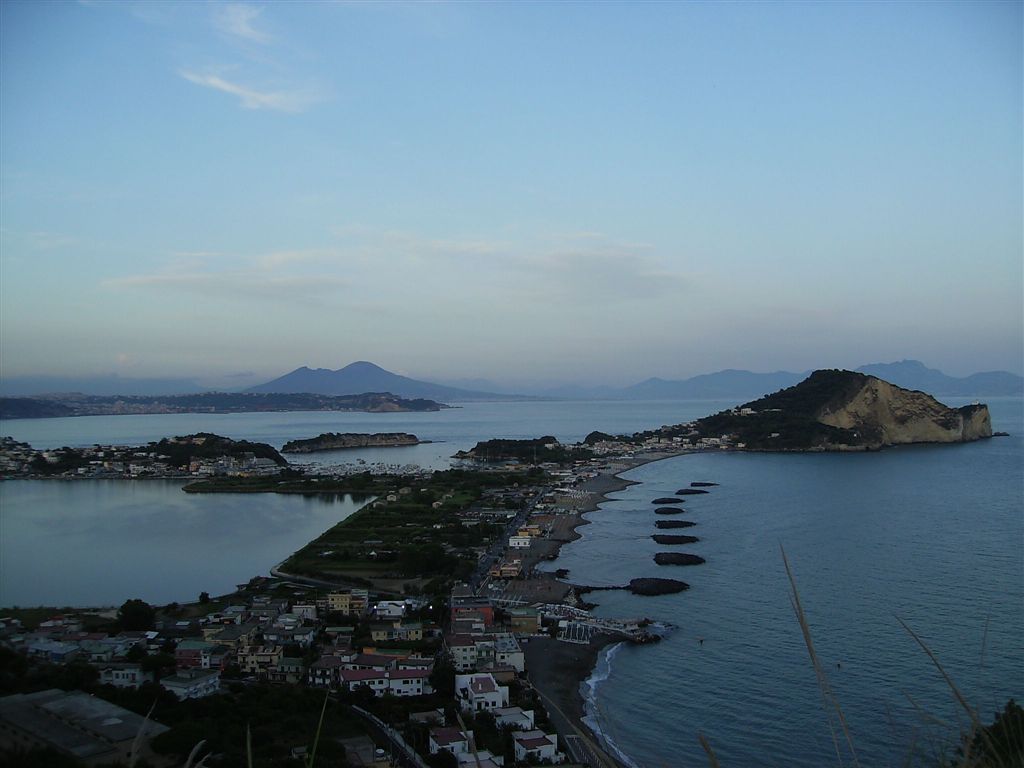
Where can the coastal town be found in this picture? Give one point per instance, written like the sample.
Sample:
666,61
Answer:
422,630
190,456
423,619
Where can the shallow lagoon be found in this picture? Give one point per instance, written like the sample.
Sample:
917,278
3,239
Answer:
100,542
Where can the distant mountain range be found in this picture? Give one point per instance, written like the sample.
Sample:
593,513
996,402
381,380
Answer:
908,374
912,374
723,385
362,377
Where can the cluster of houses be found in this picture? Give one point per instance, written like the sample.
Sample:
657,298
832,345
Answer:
260,640
487,657
108,461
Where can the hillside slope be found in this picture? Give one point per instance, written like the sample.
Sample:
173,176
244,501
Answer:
846,410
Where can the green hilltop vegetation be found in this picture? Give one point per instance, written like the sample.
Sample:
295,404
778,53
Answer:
540,449
791,414
843,410
181,451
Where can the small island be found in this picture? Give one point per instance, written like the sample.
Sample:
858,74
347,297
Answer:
335,441
537,450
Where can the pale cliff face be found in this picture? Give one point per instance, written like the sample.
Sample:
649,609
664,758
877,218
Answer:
894,416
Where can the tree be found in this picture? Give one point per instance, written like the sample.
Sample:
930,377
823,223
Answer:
136,615
443,759
157,663
442,676
204,598
1002,742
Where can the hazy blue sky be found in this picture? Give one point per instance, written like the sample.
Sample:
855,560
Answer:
527,190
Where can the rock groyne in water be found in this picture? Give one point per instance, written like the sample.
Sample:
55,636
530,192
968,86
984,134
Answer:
652,587
678,558
667,538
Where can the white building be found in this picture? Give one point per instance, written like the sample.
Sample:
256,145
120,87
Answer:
193,683
536,745
397,682
507,652
390,609
514,717
124,675
471,653
480,692
451,739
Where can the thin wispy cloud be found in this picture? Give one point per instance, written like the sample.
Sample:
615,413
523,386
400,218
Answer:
37,240
281,100
609,273
237,284
236,19
262,277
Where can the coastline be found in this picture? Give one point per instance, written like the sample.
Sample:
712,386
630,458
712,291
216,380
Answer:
559,670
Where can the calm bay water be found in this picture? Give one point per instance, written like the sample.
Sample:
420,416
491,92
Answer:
929,534
933,535
451,430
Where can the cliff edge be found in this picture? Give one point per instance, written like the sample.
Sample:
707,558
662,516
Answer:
833,410
891,415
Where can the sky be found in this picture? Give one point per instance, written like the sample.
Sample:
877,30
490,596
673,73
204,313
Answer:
546,192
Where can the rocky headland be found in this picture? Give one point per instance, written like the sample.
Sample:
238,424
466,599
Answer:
833,410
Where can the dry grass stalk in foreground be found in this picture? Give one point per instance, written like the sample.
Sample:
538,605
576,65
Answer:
827,695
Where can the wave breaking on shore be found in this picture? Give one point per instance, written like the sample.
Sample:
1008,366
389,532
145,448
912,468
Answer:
591,712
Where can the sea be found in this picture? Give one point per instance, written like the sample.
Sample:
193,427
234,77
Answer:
886,549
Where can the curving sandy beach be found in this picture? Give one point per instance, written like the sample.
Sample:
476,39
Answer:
558,669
